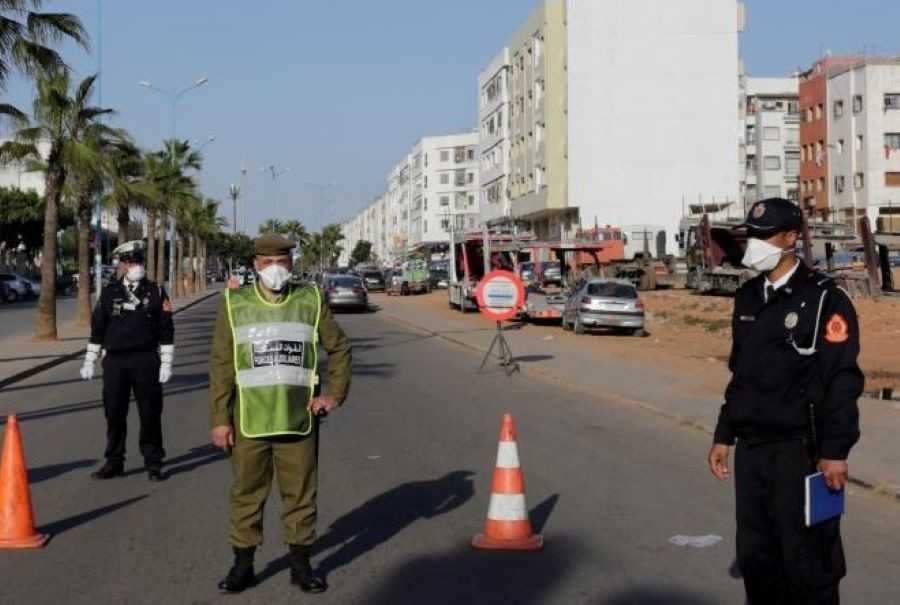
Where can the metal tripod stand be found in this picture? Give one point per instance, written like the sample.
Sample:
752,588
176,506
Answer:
503,352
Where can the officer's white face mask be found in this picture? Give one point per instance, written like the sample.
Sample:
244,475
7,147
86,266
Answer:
761,255
275,277
135,273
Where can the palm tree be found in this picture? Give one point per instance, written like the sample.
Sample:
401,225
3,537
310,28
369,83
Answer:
88,183
271,225
25,36
295,231
331,235
125,173
207,223
60,121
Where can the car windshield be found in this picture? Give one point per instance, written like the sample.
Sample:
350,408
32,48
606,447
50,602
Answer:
611,290
372,275
345,282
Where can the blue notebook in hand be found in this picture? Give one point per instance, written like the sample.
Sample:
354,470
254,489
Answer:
822,503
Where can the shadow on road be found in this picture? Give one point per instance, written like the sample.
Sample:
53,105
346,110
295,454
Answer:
51,383
465,575
533,358
51,471
63,525
657,596
380,519
377,370
195,458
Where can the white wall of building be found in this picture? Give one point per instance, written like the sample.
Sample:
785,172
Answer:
653,112
494,143
859,160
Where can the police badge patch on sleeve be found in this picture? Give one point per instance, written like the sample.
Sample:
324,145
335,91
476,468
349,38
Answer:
836,330
278,353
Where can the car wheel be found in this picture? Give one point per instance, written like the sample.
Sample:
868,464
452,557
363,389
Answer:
639,332
404,290
578,327
566,326
13,296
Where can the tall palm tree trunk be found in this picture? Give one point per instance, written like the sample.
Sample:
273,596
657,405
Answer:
45,321
151,242
83,309
160,276
192,259
179,267
123,218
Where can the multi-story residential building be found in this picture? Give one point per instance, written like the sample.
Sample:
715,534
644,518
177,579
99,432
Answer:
619,111
850,137
432,190
494,144
813,89
771,145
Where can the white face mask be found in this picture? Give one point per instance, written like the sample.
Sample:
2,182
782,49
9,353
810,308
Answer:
135,273
761,255
275,277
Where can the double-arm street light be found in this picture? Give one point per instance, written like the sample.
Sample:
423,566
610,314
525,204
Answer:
174,96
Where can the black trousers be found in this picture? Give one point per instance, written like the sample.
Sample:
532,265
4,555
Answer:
124,373
783,561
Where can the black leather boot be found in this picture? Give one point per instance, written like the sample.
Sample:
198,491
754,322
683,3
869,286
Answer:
109,470
240,576
302,573
155,474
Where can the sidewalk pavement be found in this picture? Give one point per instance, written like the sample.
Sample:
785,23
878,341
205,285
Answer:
21,357
557,356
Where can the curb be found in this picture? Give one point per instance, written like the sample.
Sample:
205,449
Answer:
47,365
880,487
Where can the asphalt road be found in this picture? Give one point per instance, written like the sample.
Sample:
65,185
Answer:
404,484
17,318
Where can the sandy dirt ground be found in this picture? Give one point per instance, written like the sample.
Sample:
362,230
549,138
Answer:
693,333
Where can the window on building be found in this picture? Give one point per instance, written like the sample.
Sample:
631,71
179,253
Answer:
820,184
839,146
793,107
444,200
892,179
892,100
771,191
425,226
771,133
838,109
445,224
809,114
772,162
471,200
445,178
751,135
470,178
470,154
857,103
445,156
425,204
820,109
792,165
839,184
792,136
859,142
426,182
892,140
859,181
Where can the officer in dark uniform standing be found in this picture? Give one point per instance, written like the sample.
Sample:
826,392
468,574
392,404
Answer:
133,323
791,406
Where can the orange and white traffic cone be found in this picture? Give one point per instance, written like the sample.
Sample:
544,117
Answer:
16,515
507,526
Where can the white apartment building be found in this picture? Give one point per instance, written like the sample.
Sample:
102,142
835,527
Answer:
494,143
432,189
770,148
619,111
864,139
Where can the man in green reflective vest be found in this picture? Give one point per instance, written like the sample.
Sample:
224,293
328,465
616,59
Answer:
265,404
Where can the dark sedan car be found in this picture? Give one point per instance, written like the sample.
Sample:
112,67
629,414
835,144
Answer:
374,281
346,292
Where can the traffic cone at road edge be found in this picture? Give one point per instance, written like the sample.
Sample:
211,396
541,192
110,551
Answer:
507,526
16,515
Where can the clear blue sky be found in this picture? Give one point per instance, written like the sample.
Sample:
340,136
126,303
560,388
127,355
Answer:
338,90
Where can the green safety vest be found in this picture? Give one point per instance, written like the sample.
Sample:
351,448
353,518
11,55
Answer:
275,359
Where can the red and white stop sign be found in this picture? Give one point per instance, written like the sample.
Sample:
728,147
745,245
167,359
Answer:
500,295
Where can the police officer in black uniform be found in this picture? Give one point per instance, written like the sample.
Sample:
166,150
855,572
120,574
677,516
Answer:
133,323
791,406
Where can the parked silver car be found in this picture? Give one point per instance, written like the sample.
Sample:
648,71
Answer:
346,292
605,303
18,287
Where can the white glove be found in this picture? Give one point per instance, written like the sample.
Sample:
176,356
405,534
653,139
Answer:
90,358
166,358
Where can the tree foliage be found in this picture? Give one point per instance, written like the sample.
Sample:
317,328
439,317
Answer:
361,254
22,219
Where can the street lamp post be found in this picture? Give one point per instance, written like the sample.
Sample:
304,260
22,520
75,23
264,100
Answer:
276,173
322,188
174,96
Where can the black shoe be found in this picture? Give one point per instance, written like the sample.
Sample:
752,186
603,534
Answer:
240,577
108,471
302,574
155,474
